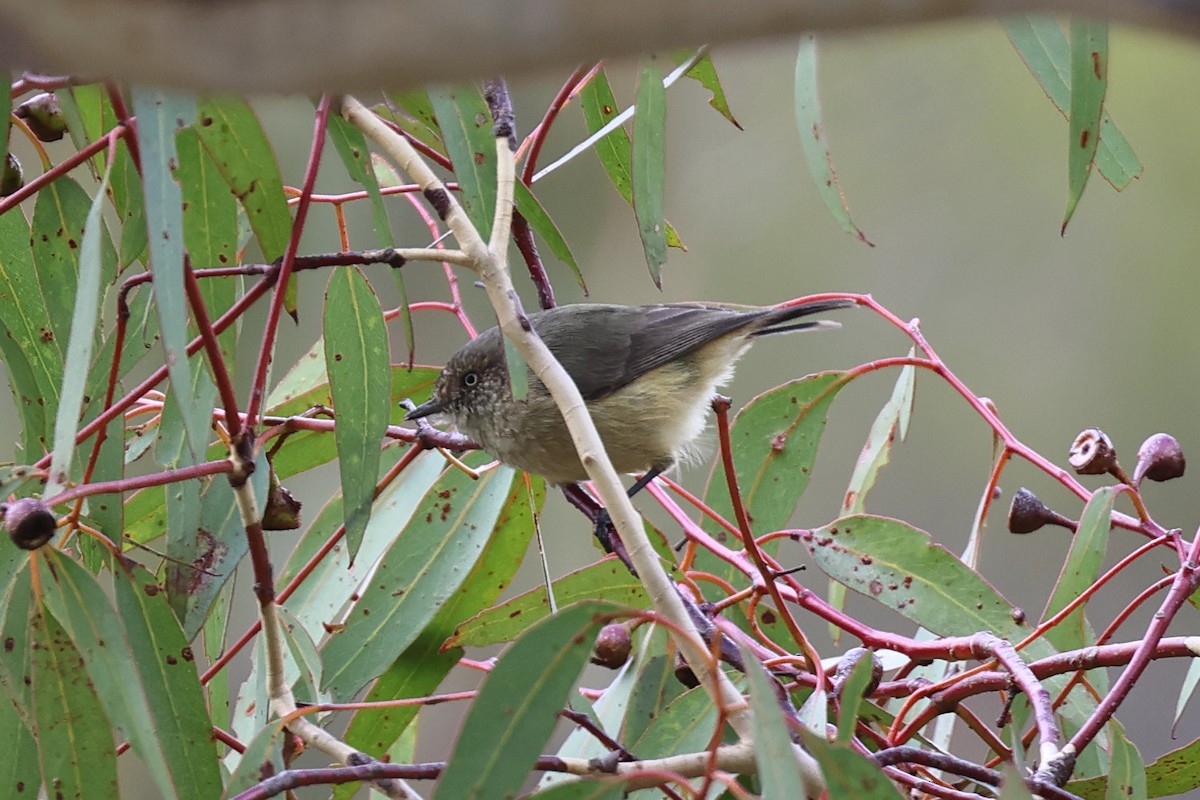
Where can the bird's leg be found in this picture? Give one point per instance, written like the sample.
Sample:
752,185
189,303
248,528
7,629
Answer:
604,530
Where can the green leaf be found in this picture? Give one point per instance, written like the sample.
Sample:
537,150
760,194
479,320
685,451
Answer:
126,190
518,704
33,361
165,667
352,147
416,577
778,765
704,72
606,580
1080,571
529,207
1044,49
850,697
78,756
413,112
420,669
16,602
19,767
613,149
466,126
234,138
903,569
774,440
357,361
848,774
210,232
1173,773
811,124
1127,773
83,337
648,167
160,116
78,602
890,423
685,724
1089,83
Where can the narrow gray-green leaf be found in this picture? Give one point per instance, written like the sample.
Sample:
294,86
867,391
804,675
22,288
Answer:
160,116
778,765
1080,571
210,232
166,669
415,577
34,365
351,145
810,121
78,602
518,704
529,207
78,756
466,126
80,345
420,669
649,167
232,134
1043,47
1089,84
357,361
19,768
613,149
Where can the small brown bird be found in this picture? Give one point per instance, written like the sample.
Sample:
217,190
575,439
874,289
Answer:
647,374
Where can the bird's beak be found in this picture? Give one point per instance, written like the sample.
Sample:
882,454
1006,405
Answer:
431,406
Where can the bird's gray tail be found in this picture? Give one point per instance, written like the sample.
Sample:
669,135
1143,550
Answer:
780,320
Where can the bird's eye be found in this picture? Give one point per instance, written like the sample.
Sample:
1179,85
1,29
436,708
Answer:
470,380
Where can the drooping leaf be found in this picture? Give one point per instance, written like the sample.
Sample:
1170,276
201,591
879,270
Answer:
810,121
83,336
518,704
613,149
210,232
234,138
648,167
31,358
1044,49
166,669
77,752
79,603
160,116
529,207
351,145
466,126
1089,84
1082,567
357,362
778,767
210,543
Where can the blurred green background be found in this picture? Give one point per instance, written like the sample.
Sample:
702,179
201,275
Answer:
954,164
